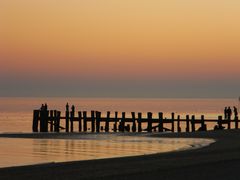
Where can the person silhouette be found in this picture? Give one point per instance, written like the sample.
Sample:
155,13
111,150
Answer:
225,113
42,107
229,113
73,108
235,112
67,107
46,106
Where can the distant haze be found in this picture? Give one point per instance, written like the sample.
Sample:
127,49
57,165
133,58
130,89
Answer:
117,48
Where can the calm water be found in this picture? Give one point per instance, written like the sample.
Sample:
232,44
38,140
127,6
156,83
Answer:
16,116
15,152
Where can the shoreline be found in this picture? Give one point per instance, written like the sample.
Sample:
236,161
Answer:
218,160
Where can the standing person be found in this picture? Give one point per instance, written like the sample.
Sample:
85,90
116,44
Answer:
225,113
235,112
67,107
46,106
229,113
42,107
73,108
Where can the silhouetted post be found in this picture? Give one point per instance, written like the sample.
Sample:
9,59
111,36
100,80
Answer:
116,121
187,123
173,117
58,120
236,122
203,125
134,128
57,126
93,120
160,125
55,120
44,120
79,121
107,122
98,120
122,123
178,124
35,120
139,122
193,123
67,121
220,122
72,119
85,121
149,126
229,123
51,121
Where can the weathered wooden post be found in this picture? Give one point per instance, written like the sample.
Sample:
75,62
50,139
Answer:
160,125
93,121
193,123
116,121
67,121
57,125
79,121
51,121
139,122
107,122
134,128
236,122
122,123
72,119
187,123
85,121
35,120
203,125
229,123
173,117
98,120
44,120
220,122
178,124
149,126
55,120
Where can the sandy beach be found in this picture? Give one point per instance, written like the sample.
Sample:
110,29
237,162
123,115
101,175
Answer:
220,160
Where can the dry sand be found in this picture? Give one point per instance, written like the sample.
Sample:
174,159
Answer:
220,160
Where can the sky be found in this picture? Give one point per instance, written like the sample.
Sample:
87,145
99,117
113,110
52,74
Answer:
120,48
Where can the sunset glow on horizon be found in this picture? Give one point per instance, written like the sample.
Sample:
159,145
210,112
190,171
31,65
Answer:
118,48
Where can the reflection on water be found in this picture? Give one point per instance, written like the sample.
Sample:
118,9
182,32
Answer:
15,152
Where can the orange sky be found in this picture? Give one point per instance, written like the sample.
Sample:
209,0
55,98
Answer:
120,39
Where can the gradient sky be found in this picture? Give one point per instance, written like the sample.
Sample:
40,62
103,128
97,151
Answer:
120,48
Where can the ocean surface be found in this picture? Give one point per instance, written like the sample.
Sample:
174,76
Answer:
16,116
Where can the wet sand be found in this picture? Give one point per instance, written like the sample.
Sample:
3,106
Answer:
220,160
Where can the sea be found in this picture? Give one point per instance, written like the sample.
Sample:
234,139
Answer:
16,116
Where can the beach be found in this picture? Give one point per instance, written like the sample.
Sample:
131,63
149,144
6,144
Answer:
219,160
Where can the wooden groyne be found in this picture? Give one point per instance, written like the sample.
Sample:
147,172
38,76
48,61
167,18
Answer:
50,121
